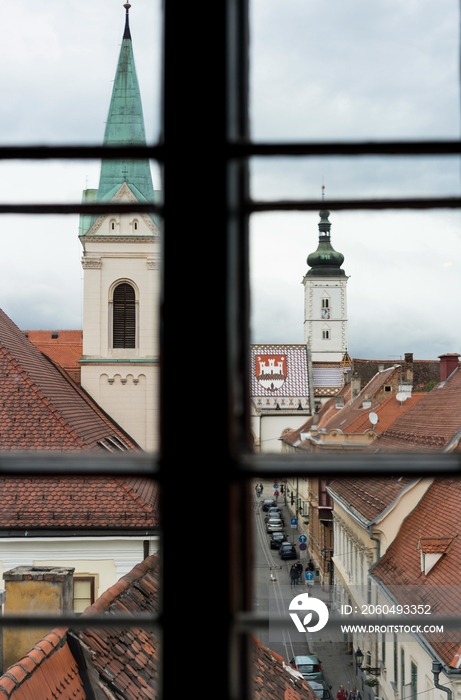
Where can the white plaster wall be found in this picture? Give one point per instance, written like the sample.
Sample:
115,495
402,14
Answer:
314,290
127,392
108,559
132,404
388,528
271,428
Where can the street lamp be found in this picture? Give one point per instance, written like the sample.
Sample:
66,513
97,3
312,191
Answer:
368,669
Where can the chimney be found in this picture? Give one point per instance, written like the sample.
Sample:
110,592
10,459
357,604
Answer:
448,363
355,385
34,590
408,368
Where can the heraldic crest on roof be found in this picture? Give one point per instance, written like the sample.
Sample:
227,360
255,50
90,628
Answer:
279,376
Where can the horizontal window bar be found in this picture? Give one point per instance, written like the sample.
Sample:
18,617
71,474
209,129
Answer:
80,152
81,464
80,621
396,464
349,148
237,150
110,208
338,204
248,207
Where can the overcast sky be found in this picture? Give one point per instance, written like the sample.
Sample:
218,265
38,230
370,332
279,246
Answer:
319,71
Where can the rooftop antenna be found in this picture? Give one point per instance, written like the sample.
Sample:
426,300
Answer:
323,190
401,397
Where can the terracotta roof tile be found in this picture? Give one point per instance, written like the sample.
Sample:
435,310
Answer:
430,425
114,651
63,347
41,408
436,517
84,502
368,497
273,679
48,671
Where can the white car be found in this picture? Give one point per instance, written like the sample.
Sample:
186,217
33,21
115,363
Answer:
274,525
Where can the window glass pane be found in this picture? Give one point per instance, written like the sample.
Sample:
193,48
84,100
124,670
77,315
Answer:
62,61
334,71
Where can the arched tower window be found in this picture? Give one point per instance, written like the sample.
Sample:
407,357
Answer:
124,319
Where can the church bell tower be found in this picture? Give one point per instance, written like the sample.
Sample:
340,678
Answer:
325,299
121,268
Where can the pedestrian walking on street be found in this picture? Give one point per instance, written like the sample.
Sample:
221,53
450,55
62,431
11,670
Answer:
355,694
342,693
299,569
293,575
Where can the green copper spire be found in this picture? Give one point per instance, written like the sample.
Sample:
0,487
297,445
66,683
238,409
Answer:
125,126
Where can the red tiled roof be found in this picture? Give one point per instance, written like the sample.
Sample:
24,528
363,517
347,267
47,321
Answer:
127,660
368,497
437,545
387,411
63,347
41,408
430,425
437,516
273,679
353,418
48,670
71,502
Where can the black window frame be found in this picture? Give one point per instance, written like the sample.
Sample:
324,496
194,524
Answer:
205,142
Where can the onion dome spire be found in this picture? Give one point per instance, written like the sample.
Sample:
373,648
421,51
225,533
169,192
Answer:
326,261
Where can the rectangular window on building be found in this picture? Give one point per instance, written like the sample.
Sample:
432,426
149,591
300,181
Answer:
83,592
414,680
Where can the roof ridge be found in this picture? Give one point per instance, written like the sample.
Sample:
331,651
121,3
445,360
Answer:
100,605
21,671
134,495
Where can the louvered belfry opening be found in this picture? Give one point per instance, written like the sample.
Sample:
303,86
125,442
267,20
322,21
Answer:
124,321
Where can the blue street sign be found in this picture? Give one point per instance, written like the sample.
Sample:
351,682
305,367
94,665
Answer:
309,575
276,485
294,522
303,546
302,538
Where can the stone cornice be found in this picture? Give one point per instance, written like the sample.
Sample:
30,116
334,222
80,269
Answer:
91,263
121,239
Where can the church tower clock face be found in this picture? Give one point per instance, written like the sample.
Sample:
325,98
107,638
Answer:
325,299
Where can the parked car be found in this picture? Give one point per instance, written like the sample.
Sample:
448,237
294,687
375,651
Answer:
272,513
274,525
287,550
276,539
322,690
268,503
309,666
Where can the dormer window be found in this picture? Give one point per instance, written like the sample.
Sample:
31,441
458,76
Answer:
432,549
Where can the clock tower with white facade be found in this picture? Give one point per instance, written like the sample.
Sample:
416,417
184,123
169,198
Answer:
325,300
